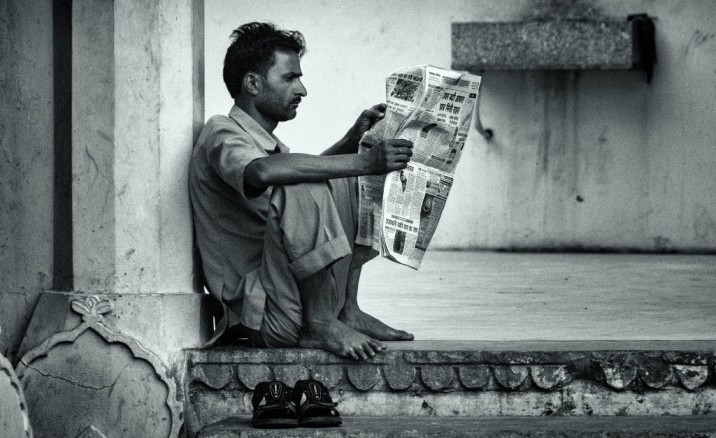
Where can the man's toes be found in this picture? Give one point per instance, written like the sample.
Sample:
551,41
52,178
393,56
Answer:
377,345
362,354
352,353
369,349
405,336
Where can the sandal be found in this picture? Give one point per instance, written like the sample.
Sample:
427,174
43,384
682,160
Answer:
315,406
273,407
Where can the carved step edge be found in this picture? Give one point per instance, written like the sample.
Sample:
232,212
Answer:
438,371
219,382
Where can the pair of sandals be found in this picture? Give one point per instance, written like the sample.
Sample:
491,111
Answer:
307,404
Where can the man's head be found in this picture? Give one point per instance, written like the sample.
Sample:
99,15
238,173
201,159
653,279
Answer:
262,64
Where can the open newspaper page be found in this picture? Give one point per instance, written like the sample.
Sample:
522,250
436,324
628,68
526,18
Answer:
433,108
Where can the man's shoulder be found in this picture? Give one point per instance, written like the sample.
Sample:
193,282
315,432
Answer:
220,121
219,129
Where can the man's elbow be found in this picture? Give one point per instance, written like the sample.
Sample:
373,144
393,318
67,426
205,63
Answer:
256,174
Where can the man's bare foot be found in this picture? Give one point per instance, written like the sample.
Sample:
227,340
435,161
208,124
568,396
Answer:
364,323
340,339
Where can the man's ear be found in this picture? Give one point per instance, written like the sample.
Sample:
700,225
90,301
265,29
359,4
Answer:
252,83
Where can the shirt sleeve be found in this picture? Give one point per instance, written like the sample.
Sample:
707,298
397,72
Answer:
229,153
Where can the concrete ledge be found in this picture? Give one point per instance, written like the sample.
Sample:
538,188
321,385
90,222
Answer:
543,45
467,379
369,427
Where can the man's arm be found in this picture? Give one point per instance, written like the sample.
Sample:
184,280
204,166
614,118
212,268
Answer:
282,169
339,161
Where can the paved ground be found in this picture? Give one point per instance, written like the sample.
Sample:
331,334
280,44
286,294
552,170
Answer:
546,296
543,427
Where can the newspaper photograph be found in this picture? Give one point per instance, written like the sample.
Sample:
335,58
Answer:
432,107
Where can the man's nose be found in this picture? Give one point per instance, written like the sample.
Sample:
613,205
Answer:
301,89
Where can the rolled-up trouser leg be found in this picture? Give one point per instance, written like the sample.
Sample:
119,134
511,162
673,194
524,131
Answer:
309,227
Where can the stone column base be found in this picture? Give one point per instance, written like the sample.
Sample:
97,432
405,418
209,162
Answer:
110,364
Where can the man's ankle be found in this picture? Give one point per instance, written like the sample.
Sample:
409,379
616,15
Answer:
317,323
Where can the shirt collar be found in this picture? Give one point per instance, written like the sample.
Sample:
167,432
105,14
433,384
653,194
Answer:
267,141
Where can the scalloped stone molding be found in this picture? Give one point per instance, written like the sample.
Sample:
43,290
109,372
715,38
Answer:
14,420
451,382
93,378
397,373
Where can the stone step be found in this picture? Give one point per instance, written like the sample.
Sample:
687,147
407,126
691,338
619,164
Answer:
543,427
469,379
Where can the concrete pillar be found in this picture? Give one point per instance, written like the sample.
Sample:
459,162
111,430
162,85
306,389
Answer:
137,98
110,341
26,164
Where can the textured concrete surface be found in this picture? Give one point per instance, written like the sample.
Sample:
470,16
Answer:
483,427
543,45
543,296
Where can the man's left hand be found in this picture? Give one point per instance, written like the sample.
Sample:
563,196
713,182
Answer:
366,120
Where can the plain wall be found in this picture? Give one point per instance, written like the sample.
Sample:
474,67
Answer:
640,157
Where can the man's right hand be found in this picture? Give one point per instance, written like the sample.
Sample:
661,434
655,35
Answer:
388,155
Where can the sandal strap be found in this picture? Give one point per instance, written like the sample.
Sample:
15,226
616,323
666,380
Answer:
275,393
316,394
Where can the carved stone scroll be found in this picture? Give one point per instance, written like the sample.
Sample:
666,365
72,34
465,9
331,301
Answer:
93,379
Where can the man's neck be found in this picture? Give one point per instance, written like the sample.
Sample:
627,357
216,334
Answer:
247,106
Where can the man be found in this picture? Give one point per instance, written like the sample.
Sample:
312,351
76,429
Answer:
276,230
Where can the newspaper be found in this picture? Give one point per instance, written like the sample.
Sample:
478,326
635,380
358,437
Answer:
399,212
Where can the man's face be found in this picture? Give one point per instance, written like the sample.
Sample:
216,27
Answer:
281,90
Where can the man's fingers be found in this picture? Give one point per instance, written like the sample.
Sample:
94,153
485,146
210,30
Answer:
374,113
400,143
379,108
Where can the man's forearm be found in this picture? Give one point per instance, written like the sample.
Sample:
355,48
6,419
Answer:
346,145
282,169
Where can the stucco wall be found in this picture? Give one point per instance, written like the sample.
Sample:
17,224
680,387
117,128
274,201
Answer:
641,158
26,164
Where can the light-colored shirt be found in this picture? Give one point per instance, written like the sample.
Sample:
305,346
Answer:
230,225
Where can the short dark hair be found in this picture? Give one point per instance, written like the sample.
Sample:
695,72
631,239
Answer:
252,49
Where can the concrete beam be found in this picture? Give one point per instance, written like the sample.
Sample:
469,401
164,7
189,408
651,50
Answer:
543,45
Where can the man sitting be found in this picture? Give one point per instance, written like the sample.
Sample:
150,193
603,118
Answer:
276,230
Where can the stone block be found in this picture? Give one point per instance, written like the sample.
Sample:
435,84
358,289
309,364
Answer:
251,375
511,377
543,45
399,377
691,376
290,374
364,377
212,375
655,373
549,376
474,377
330,375
437,378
